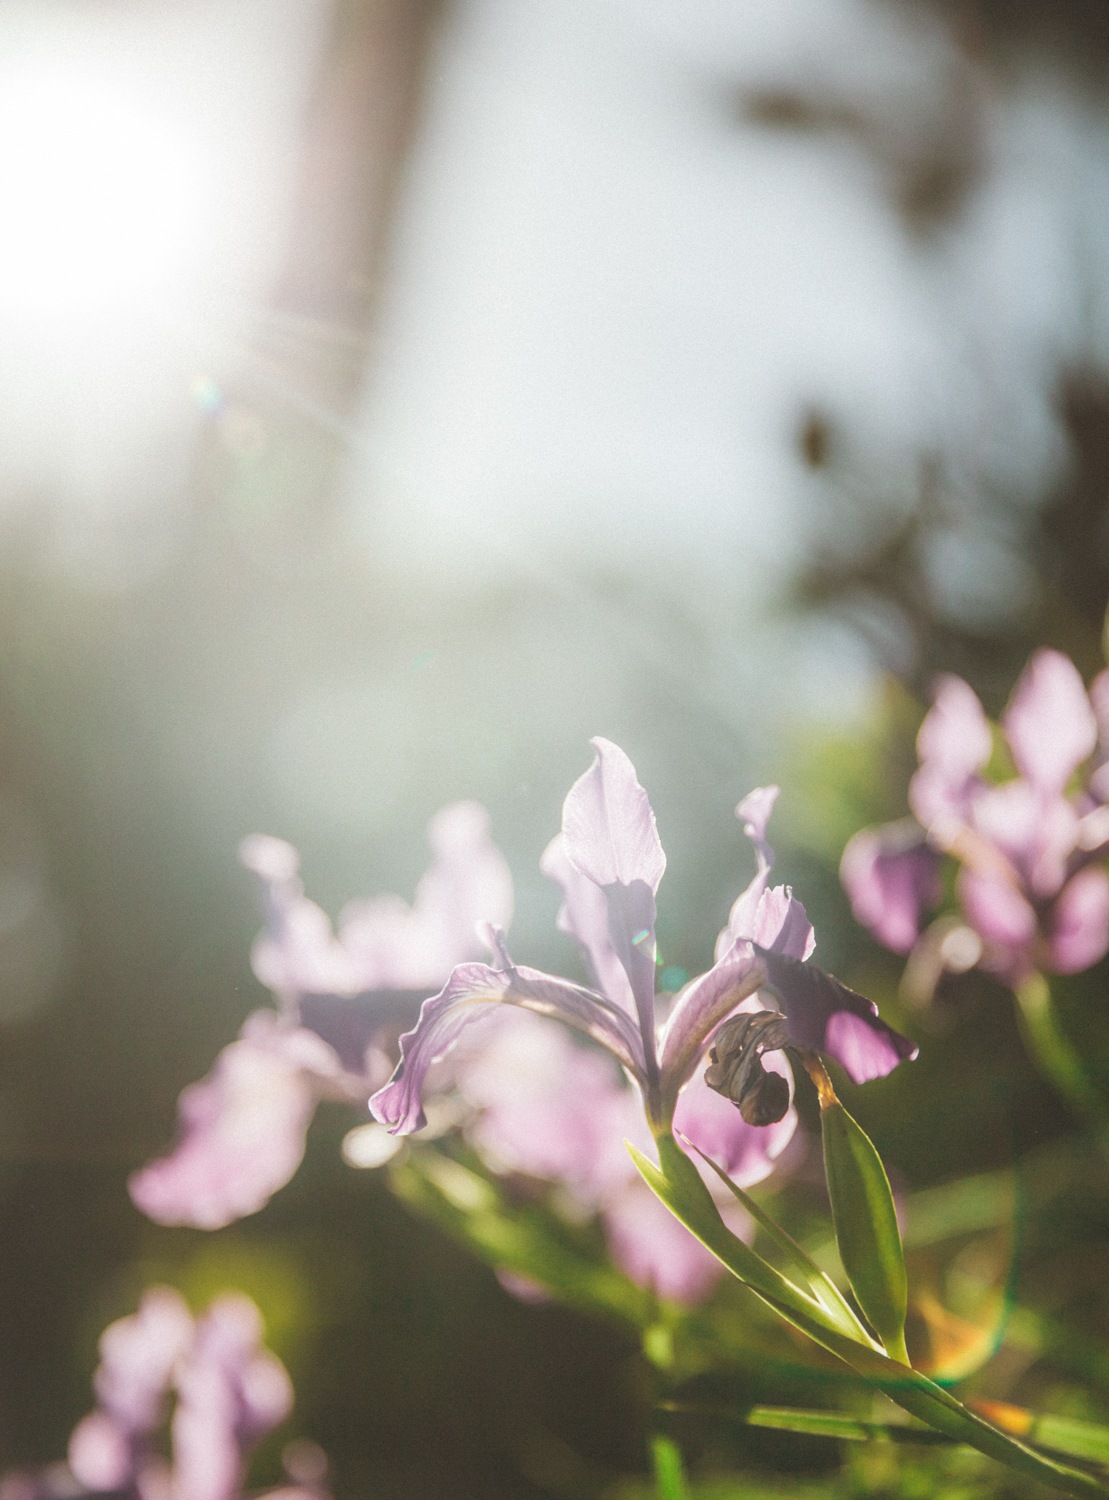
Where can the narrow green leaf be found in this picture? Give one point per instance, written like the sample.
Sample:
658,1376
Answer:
815,1423
1088,1440
666,1460
819,1282
866,1225
835,1425
1067,1435
682,1189
909,1389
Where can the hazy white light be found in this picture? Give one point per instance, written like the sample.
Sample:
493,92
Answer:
369,1146
960,949
100,200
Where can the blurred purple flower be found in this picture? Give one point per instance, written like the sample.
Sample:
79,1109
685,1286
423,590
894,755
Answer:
241,1132
1031,883
548,1107
892,874
655,1250
608,862
552,1108
382,943
242,1128
111,1448
229,1393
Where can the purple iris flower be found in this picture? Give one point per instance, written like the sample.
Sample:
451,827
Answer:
608,863
242,1129
1030,851
227,1392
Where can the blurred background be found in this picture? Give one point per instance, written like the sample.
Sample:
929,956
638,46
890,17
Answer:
395,393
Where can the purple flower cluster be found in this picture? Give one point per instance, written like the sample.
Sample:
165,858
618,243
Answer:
227,1393
1030,851
242,1129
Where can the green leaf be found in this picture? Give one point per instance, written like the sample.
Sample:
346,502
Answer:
682,1189
820,1284
833,1424
866,1225
813,1423
909,1389
1088,1440
1067,1435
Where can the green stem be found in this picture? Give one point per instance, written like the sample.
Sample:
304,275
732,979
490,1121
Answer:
1052,1052
666,1460
775,1288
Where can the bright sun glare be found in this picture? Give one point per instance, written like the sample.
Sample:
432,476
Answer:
99,198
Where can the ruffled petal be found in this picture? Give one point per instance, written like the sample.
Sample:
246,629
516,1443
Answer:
825,1015
1049,724
861,1049
781,924
699,1009
471,990
609,836
754,813
583,916
891,876
608,824
1078,929
241,1130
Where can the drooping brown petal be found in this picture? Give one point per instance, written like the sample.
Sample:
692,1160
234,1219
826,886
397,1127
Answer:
736,1065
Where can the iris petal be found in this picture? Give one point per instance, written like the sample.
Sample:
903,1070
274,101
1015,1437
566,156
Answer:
470,991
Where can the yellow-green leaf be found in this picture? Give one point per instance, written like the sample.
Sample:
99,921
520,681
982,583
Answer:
866,1225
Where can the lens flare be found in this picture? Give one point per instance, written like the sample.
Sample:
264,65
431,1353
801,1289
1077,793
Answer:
100,196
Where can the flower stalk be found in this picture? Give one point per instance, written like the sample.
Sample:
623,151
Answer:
1054,1054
